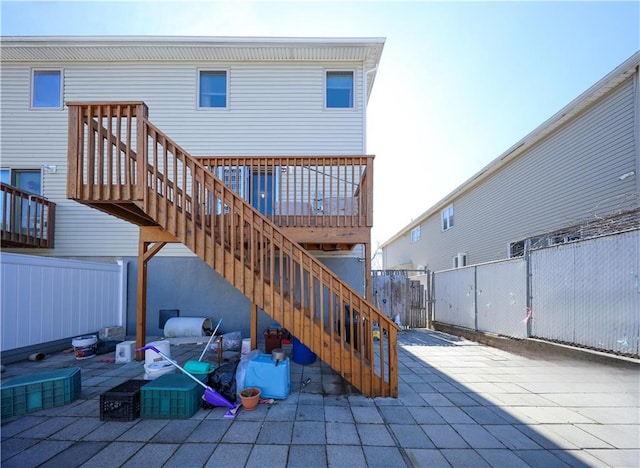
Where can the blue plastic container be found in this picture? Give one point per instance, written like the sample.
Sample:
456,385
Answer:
274,381
301,354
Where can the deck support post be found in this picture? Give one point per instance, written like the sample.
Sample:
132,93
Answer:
150,242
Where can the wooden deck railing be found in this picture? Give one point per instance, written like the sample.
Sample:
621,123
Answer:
188,200
28,220
302,191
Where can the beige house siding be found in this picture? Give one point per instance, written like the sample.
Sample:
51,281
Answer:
273,109
570,176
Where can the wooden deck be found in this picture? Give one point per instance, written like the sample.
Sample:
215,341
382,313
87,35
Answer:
248,219
26,220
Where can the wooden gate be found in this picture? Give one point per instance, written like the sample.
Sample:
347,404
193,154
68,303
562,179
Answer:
399,296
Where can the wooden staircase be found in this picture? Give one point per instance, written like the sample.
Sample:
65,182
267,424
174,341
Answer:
120,163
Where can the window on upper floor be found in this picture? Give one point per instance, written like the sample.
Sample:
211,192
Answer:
415,234
447,218
339,90
212,89
46,88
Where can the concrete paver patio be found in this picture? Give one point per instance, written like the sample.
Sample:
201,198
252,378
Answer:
460,404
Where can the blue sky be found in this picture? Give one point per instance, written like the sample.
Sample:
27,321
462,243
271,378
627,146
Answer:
458,83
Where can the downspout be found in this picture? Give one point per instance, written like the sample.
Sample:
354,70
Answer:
636,116
365,83
368,290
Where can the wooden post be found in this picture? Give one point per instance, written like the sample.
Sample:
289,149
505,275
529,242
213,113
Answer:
254,326
368,293
141,301
150,242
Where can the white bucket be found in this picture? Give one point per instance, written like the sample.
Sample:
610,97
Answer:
85,346
156,369
246,346
177,327
150,356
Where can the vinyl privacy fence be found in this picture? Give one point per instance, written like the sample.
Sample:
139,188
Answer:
47,299
584,293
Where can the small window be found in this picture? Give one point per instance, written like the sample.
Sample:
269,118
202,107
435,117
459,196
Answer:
415,234
339,90
447,218
46,89
460,260
212,89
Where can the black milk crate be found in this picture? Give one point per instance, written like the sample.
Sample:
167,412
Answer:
122,403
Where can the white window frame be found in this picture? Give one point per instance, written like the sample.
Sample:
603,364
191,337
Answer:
447,214
325,72
460,260
415,234
228,75
31,88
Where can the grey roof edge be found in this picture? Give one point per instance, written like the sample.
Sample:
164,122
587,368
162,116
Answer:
168,47
564,115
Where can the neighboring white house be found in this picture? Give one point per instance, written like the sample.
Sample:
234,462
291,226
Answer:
575,175
214,97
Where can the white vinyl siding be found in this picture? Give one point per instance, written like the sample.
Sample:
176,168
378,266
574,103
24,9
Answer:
569,176
274,110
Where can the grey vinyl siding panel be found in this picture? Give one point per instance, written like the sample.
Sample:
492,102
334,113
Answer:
273,109
569,177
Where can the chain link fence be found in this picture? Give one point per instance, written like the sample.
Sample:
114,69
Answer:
583,293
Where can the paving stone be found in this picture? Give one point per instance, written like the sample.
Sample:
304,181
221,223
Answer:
177,431
383,457
114,454
75,454
336,400
20,424
484,415
13,446
584,459
461,399
229,456
540,458
46,428
342,433
338,414
209,431
425,415
620,436
151,455
267,455
242,432
444,436
435,399
190,456
511,437
37,454
410,436
282,412
307,456
109,431
464,457
366,415
431,458
360,400
452,415
502,457
374,434
477,436
144,430
275,432
341,456
309,433
77,430
310,413
396,415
